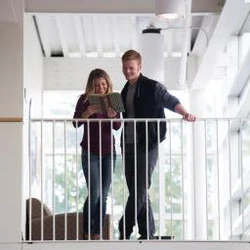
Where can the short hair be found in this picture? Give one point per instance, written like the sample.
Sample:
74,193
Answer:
131,55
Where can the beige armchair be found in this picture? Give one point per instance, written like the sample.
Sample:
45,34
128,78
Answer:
33,226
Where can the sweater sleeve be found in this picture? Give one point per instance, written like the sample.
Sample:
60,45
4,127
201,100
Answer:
81,106
117,124
164,98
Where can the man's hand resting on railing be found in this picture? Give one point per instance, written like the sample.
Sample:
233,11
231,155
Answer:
179,108
189,117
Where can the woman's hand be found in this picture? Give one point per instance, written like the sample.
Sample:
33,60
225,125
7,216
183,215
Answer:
92,109
111,113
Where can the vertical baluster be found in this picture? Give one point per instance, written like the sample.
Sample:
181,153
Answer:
170,173
77,184
194,184
182,182
53,177
218,178
135,160
159,177
147,209
124,179
41,173
242,178
230,179
89,189
206,173
112,177
65,181
29,233
100,174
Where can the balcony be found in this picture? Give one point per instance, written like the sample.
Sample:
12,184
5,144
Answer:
199,193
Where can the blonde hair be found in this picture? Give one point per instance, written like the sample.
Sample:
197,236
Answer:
132,55
94,74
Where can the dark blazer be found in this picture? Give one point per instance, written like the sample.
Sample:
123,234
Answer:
150,99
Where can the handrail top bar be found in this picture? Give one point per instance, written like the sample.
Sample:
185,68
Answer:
11,119
135,119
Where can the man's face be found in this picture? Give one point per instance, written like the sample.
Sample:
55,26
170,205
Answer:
131,70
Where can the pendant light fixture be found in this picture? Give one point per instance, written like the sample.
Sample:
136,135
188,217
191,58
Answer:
170,9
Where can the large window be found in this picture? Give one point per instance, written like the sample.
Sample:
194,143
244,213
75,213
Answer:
56,168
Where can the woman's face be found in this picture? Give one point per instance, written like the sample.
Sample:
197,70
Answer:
101,86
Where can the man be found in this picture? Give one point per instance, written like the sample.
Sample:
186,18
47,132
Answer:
143,98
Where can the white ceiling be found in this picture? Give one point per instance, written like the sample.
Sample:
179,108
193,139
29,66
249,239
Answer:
99,28
92,30
103,35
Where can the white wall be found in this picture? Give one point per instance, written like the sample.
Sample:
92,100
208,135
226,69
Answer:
33,68
33,84
11,96
21,66
72,73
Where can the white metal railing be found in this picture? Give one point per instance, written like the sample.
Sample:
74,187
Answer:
200,188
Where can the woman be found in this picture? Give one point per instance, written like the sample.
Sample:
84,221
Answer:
97,155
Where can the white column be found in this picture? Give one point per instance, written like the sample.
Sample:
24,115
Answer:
151,48
198,222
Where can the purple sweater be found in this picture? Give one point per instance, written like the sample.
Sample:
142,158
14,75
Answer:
106,131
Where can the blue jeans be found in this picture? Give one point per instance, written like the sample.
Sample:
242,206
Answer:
146,224
98,188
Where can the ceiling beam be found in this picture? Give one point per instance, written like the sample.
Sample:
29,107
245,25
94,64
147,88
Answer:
204,35
242,77
97,36
79,35
113,6
61,36
225,28
42,34
116,44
